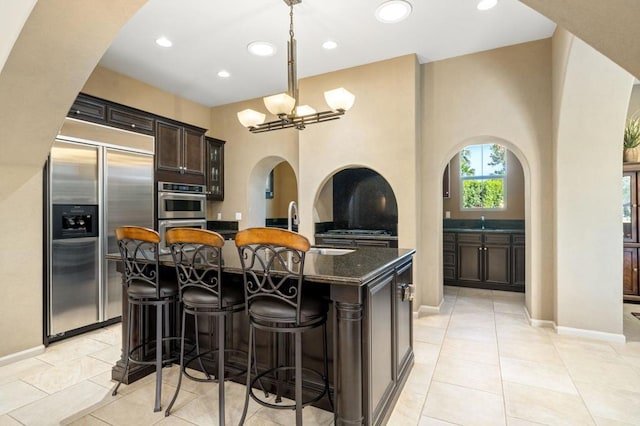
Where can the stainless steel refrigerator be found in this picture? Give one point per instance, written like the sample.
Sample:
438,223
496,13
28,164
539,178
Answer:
98,179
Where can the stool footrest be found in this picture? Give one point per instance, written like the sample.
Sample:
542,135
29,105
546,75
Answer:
315,398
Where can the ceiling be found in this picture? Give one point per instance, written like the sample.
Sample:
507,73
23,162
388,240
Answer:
212,35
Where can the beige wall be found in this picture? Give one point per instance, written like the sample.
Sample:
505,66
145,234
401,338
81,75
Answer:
589,112
116,87
514,190
48,62
501,95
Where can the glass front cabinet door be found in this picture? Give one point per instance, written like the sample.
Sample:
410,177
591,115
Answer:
629,207
215,169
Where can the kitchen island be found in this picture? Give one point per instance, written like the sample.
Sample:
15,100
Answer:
370,327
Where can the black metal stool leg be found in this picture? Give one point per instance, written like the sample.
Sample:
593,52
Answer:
158,357
250,354
197,336
298,356
221,337
127,349
175,395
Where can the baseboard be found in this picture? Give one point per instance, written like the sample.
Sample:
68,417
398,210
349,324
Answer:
576,332
591,334
427,310
19,356
537,322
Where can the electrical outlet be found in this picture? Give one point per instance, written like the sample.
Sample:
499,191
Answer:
238,216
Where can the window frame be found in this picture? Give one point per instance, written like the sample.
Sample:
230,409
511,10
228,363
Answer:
462,179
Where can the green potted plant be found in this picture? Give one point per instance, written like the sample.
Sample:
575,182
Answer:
631,140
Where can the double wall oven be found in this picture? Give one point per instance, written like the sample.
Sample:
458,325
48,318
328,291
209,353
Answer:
180,206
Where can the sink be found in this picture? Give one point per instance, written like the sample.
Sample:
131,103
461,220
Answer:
330,251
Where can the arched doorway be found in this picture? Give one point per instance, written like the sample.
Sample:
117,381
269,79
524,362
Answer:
484,212
270,178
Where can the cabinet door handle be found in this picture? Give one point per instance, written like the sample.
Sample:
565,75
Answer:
635,269
133,125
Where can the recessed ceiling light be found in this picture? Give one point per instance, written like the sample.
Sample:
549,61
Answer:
329,44
486,4
224,74
393,11
164,42
261,48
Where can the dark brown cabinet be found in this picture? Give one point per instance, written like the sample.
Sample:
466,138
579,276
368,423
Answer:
215,169
180,153
518,259
493,260
388,339
449,256
96,110
446,182
630,234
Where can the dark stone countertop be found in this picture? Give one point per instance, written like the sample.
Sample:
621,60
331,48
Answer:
494,231
385,237
355,268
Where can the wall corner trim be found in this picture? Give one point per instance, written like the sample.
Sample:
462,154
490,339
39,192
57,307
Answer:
427,309
19,356
591,334
538,323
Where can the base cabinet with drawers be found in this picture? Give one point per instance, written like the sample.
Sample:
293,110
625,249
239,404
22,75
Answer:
484,259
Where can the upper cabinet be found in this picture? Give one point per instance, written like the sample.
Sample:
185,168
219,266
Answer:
215,169
99,111
180,152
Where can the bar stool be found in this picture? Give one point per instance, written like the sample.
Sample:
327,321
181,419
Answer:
198,258
273,263
139,251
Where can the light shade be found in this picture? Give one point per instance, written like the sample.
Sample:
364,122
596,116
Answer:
305,110
280,104
251,118
339,99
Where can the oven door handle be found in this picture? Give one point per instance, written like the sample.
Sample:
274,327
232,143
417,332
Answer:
184,222
181,196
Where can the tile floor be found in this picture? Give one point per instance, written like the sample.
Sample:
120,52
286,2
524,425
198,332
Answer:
477,363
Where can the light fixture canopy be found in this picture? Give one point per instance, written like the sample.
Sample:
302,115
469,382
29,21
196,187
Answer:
286,106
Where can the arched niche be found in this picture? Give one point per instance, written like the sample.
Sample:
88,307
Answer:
356,197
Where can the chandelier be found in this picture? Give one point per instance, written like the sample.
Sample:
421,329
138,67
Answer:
285,105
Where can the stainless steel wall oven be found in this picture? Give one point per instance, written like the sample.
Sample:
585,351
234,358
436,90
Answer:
181,201
180,206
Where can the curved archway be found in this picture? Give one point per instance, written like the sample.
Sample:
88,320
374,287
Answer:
531,287
256,203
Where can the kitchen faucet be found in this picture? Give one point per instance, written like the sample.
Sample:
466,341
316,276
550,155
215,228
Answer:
292,215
